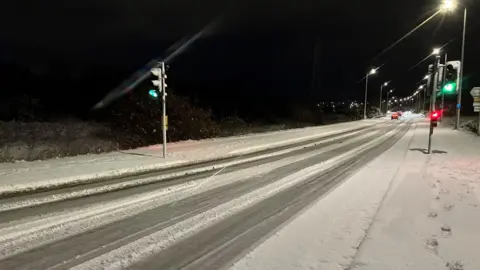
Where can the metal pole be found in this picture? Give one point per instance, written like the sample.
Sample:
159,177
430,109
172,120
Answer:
365,103
381,92
444,76
460,84
386,105
435,83
433,99
164,108
478,125
418,100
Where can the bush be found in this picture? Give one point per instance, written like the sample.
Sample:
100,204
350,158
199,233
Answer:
40,140
137,121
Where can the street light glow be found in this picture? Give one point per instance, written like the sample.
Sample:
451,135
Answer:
448,5
421,87
386,84
373,71
426,77
436,51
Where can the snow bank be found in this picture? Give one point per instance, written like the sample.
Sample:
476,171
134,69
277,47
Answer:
45,174
326,235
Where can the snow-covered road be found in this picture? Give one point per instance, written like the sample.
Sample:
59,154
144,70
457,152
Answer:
200,221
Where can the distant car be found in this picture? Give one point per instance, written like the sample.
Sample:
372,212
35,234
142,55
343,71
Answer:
394,116
399,113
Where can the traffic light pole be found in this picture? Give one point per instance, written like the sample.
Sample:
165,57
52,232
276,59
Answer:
460,84
443,83
433,99
164,108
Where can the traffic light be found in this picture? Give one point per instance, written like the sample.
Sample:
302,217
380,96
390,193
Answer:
452,77
434,116
159,82
153,93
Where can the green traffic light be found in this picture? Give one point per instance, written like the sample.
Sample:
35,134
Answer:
153,93
450,87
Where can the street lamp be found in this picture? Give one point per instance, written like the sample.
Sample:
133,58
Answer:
420,88
372,71
448,6
385,84
436,51
388,101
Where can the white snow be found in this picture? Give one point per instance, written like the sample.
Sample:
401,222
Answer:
155,242
431,192
326,235
23,175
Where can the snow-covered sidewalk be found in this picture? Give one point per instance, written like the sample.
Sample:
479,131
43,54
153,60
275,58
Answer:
404,210
430,218
150,158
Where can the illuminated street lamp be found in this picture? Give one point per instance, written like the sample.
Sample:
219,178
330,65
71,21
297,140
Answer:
436,51
372,71
385,84
448,6
388,93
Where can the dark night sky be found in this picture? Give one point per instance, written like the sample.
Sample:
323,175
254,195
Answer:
260,49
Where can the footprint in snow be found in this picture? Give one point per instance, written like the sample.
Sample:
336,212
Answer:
446,230
457,265
448,206
432,244
432,215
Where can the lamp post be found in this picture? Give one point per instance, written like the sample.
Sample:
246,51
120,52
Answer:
422,102
388,101
449,6
436,53
373,71
381,94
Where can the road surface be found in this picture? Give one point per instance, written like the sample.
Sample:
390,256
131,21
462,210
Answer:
197,221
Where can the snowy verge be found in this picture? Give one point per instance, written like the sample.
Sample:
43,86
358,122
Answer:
23,179
430,218
326,235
